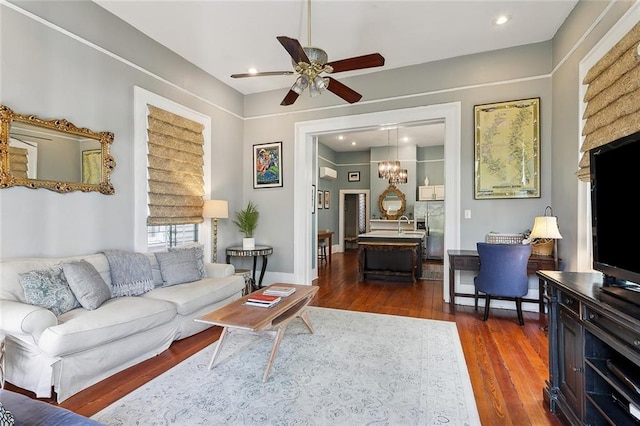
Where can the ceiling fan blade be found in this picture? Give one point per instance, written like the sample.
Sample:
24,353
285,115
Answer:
358,63
290,98
343,91
262,74
294,48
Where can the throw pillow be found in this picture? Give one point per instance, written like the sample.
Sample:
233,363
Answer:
177,267
131,273
87,284
6,418
48,289
198,254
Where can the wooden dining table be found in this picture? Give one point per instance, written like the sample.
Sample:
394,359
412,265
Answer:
328,236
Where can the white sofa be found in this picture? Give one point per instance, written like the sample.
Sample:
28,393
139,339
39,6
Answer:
81,347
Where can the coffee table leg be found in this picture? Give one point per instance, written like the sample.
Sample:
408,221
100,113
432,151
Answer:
305,319
274,349
217,351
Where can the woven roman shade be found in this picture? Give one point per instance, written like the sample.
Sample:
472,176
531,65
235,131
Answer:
19,162
612,97
175,169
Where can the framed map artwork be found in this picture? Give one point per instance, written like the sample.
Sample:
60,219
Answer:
507,149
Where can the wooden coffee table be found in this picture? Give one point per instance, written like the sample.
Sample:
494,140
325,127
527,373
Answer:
237,315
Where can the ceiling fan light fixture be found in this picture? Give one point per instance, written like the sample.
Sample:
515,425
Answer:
301,83
321,82
314,90
317,55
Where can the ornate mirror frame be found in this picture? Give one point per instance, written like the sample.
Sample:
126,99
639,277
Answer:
392,189
106,161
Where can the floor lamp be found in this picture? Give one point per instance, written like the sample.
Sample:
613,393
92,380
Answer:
215,209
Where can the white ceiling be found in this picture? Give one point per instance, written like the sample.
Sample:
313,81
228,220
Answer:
224,37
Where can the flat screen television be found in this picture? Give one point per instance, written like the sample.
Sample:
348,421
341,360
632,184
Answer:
615,182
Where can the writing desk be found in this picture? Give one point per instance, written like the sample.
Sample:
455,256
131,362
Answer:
326,235
469,260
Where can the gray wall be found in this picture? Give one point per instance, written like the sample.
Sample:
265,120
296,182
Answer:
53,75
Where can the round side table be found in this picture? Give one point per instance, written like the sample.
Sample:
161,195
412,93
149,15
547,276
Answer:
257,251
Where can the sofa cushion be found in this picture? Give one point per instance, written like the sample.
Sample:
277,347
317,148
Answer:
197,250
190,297
86,283
177,267
79,330
49,289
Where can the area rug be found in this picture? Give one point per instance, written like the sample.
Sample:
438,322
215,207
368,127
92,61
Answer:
357,369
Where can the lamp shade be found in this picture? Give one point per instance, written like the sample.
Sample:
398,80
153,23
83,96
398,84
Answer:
218,209
545,227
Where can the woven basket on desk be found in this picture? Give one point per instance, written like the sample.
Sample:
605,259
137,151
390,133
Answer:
542,247
495,238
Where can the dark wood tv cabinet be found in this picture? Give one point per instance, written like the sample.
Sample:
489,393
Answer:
594,352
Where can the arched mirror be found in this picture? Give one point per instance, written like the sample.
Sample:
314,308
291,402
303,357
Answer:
392,203
53,154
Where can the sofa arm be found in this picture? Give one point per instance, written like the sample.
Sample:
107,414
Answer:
219,270
22,318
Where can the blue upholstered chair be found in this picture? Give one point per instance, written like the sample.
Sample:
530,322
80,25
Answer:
503,273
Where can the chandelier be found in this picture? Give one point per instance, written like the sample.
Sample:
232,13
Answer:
391,169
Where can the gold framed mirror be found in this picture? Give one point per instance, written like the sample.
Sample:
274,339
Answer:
53,154
392,202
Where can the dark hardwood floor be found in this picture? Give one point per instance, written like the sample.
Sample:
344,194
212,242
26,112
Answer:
508,364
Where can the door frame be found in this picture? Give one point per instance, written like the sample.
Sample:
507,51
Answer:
304,174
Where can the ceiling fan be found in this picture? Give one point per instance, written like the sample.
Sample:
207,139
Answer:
309,63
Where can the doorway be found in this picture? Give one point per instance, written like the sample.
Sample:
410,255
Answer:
304,134
355,210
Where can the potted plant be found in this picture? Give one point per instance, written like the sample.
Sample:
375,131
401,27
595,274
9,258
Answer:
247,221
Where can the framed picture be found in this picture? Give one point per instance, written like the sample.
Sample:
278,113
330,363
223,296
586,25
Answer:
354,176
92,166
267,165
313,199
320,196
327,199
507,149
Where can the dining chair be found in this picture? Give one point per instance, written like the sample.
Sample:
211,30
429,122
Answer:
503,273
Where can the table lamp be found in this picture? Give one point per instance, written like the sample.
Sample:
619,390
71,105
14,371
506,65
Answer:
546,227
215,209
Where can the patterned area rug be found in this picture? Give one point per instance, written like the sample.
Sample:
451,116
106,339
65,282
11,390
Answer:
357,369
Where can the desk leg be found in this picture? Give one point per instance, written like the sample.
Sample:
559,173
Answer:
228,259
264,268
452,289
329,248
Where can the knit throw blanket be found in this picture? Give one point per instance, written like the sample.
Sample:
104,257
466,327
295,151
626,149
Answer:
130,273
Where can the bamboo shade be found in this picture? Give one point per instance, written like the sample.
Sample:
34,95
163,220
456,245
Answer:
19,162
175,168
613,109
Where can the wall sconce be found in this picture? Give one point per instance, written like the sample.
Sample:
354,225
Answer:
545,228
215,209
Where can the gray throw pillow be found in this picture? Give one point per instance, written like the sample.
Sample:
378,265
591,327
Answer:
198,253
48,289
87,284
177,267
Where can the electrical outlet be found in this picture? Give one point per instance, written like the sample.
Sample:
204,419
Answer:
467,214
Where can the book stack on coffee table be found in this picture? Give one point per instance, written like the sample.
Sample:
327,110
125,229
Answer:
263,300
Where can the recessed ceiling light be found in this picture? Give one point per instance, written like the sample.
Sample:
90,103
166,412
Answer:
503,19
353,143
252,71
340,137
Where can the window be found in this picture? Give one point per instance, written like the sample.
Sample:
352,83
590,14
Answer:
172,157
